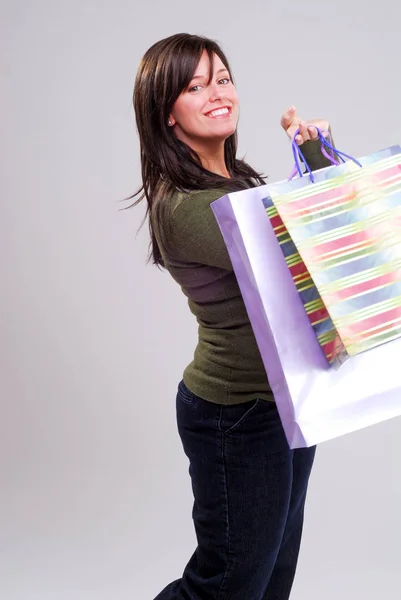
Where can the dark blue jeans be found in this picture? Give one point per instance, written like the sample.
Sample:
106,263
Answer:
249,490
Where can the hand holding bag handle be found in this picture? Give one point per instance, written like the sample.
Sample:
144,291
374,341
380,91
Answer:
326,143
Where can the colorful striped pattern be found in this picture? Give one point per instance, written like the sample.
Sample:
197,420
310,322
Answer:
347,230
319,317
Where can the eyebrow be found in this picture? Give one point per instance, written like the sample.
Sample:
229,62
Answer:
217,72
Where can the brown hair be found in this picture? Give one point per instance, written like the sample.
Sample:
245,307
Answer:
167,163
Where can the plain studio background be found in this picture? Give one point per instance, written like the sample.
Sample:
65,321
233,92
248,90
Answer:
95,497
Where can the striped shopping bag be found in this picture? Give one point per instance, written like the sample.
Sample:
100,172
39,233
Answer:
340,230
318,315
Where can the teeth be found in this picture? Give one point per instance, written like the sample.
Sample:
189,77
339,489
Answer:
218,112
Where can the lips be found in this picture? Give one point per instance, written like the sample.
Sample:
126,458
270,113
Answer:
221,112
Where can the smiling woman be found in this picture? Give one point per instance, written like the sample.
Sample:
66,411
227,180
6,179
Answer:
206,113
249,487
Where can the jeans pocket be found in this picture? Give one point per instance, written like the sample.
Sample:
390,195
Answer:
234,417
184,394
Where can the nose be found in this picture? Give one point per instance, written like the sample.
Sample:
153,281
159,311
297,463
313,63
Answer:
215,92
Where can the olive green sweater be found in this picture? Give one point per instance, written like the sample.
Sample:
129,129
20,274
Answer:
227,367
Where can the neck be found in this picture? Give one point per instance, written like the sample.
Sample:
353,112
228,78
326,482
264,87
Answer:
212,159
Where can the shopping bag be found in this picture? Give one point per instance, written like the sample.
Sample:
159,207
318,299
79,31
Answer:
347,234
321,321
319,317
317,312
316,402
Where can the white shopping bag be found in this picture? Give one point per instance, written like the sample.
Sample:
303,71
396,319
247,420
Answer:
316,402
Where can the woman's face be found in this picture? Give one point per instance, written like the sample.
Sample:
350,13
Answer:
206,113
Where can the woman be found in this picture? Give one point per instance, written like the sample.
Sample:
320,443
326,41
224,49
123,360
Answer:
249,487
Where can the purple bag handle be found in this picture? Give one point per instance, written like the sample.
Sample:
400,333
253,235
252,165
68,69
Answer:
326,143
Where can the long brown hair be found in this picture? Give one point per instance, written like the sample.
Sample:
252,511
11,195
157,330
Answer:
167,163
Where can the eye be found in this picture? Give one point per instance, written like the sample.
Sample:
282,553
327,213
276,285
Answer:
194,88
224,80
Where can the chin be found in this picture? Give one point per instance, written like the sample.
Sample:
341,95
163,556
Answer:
225,132
230,133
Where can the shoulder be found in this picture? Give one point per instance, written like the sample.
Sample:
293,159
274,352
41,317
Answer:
191,219
189,210
194,200
194,235
180,214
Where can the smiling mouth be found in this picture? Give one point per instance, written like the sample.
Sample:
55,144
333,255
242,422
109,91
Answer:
219,113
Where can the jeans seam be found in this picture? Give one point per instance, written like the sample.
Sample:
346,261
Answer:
248,412
223,457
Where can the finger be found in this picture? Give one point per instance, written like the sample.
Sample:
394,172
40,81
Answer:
291,133
288,117
303,130
313,133
322,124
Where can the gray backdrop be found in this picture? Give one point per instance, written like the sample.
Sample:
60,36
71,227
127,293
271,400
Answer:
95,497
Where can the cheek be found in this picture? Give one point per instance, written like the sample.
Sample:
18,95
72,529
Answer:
177,110
234,96
187,112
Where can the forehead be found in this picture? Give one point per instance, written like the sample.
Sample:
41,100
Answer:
203,67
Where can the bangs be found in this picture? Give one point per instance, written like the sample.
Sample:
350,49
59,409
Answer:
184,61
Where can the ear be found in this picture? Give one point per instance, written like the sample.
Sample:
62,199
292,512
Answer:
171,121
